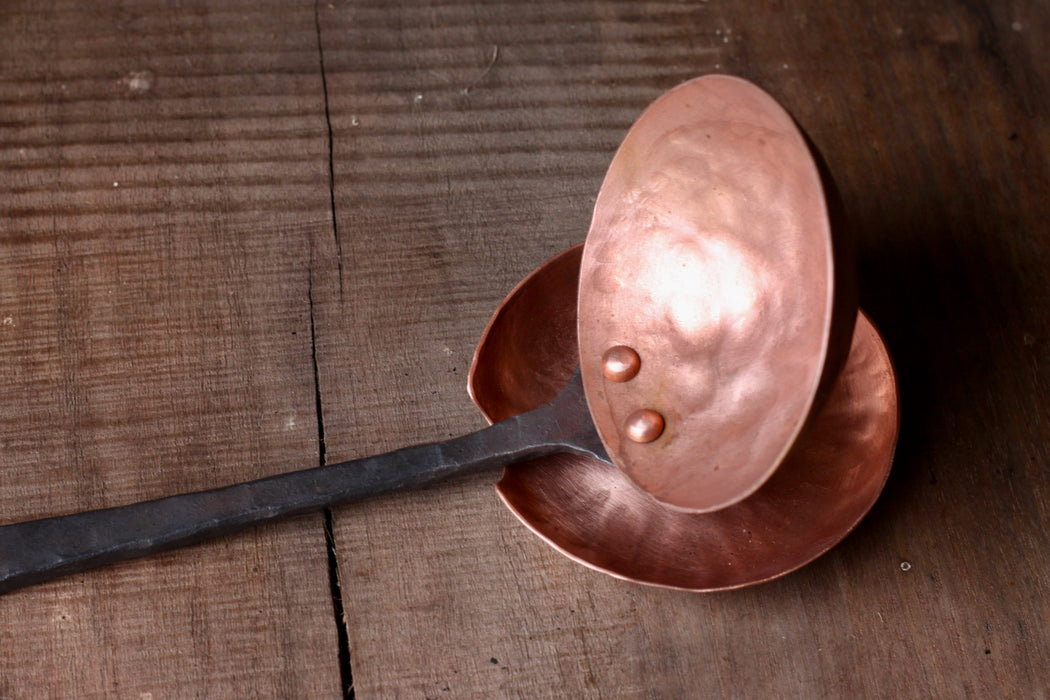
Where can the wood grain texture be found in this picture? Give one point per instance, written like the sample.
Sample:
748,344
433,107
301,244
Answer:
469,143
206,320
163,179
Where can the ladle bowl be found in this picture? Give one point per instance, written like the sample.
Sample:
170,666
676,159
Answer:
716,270
590,511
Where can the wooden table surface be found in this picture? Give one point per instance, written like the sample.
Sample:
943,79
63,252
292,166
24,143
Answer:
240,238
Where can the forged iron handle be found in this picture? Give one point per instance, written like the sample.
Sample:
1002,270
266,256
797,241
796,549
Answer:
40,550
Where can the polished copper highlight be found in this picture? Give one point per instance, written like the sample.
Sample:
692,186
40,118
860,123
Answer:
644,425
591,512
620,363
711,254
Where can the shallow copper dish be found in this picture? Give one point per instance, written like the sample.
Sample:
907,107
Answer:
592,513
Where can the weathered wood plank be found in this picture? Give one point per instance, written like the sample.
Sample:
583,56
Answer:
470,140
170,315
164,186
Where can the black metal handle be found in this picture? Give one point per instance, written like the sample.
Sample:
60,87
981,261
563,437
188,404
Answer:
41,550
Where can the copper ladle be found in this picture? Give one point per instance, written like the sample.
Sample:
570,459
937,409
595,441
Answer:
717,273
590,511
728,376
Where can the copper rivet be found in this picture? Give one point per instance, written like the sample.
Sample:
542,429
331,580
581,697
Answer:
644,425
620,363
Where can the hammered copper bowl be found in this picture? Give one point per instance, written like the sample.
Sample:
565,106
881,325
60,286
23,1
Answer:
591,512
715,265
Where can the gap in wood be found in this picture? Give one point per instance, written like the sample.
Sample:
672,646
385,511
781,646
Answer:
340,614
331,146
342,633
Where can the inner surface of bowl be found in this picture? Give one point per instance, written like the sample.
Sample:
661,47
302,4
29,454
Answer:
591,512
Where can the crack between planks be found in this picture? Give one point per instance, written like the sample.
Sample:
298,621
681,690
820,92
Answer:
331,145
346,677
335,588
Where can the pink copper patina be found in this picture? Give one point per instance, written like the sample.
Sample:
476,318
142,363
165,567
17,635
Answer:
591,512
751,413
711,255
